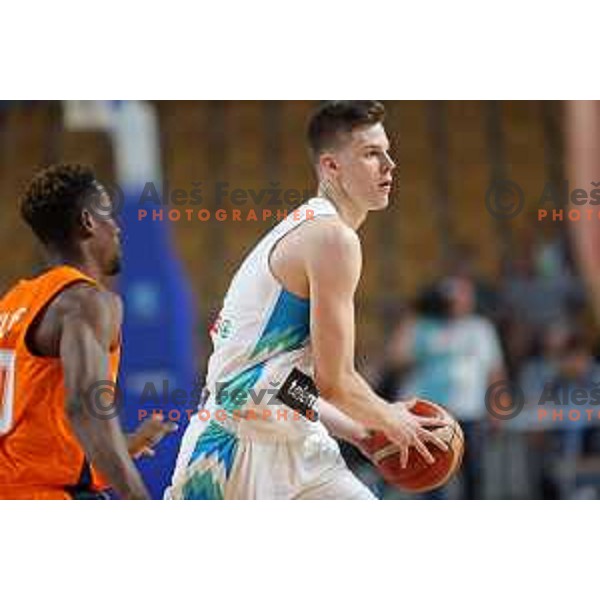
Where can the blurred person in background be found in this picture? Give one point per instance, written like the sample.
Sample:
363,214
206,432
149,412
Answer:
539,287
542,367
532,377
569,440
463,261
454,355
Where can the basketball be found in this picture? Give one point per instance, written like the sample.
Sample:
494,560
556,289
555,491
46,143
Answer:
419,476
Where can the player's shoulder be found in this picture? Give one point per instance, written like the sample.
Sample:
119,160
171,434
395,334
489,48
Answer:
332,253
78,304
331,235
89,301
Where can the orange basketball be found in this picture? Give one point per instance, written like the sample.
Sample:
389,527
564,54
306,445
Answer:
419,476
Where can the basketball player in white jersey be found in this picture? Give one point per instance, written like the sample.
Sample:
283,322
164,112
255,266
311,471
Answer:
287,329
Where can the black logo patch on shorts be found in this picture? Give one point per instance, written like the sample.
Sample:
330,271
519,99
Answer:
300,393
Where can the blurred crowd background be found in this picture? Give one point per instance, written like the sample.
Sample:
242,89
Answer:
463,288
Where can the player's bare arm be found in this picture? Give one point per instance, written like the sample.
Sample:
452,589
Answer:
332,257
341,426
86,324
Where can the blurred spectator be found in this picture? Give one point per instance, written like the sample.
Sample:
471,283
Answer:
537,372
539,288
569,439
455,355
462,261
542,367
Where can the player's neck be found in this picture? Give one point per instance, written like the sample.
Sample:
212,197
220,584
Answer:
348,210
78,260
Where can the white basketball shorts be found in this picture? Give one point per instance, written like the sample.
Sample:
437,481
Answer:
239,460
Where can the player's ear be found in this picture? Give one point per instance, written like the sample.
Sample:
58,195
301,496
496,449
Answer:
86,222
328,164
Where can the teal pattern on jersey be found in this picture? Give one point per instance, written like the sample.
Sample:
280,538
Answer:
288,327
216,440
210,463
202,486
235,393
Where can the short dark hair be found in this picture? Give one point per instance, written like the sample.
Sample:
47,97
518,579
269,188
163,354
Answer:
53,200
333,118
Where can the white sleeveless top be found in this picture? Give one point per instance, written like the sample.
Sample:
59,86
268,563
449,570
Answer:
262,333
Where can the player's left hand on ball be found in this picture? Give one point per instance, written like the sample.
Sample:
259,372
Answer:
418,427
142,441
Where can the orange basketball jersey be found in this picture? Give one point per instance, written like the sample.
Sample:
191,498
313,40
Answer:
40,456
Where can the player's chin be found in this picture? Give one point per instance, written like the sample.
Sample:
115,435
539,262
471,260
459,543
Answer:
115,267
380,201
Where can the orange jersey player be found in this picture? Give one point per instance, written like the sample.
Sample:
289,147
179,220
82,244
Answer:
59,344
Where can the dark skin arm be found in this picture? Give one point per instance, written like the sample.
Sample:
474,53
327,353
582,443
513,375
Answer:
80,327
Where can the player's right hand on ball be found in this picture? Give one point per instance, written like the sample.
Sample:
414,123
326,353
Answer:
407,430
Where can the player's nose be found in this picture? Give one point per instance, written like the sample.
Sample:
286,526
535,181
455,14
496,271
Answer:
388,163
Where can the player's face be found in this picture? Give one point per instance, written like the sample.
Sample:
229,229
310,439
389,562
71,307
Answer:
365,167
108,239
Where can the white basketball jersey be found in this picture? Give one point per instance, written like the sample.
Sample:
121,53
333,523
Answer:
262,331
